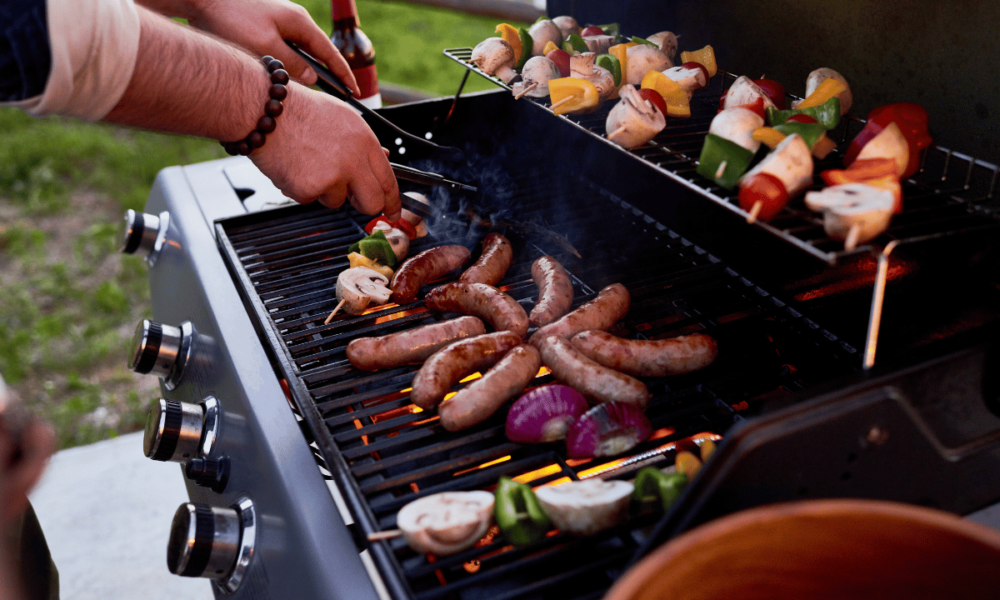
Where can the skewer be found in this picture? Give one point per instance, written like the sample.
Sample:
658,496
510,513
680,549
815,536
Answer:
337,308
852,237
754,211
721,170
526,90
388,534
618,131
561,102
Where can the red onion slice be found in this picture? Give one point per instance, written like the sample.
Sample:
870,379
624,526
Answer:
544,414
606,430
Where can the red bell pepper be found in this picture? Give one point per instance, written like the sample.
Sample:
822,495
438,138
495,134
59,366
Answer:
912,121
402,225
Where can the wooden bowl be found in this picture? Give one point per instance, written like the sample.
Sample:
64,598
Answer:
823,549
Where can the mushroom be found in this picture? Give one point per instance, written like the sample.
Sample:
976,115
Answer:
543,32
745,91
414,219
642,59
599,44
667,42
581,66
791,162
397,239
853,212
737,125
689,78
360,286
586,507
535,77
633,121
567,25
819,76
447,522
494,56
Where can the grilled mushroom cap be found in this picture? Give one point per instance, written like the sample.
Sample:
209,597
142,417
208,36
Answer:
541,33
642,59
397,239
582,66
667,42
538,70
641,120
819,76
361,286
494,56
567,25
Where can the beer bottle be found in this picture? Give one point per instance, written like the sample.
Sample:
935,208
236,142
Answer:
357,49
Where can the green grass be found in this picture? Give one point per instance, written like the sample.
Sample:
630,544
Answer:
68,299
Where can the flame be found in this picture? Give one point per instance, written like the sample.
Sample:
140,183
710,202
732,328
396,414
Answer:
537,473
483,466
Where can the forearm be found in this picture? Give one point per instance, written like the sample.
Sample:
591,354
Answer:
172,8
184,81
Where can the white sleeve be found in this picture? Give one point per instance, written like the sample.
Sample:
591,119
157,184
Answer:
94,45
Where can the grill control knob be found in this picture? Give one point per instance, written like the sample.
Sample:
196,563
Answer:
212,542
181,431
145,234
161,350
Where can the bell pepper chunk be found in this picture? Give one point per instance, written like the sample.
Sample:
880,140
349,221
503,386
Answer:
376,247
879,173
826,114
360,260
510,35
402,225
549,47
518,513
705,57
769,136
676,99
828,89
723,161
613,65
571,94
654,486
912,121
620,51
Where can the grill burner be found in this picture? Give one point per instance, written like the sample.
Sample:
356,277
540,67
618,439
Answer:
384,453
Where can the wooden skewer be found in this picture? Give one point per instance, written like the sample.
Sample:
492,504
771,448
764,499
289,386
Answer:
618,131
561,102
852,237
526,90
754,211
388,534
337,308
721,170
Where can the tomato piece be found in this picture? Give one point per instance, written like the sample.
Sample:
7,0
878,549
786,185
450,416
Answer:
756,106
655,98
801,118
697,65
765,189
591,30
561,58
774,90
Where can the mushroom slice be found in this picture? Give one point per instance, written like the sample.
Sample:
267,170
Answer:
643,58
360,286
447,522
535,76
634,119
494,56
791,162
853,212
543,32
667,42
737,125
397,239
690,79
745,91
599,44
889,143
586,507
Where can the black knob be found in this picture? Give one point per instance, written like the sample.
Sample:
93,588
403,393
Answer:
160,350
212,473
144,234
173,430
204,541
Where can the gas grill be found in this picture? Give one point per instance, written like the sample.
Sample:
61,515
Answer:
296,462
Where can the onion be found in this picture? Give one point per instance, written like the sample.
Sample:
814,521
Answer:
544,414
606,430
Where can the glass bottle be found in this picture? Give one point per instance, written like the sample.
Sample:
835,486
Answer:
357,49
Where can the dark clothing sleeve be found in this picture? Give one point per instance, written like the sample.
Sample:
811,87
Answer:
25,58
34,563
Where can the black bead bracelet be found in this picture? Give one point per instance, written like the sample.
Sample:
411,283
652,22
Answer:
272,108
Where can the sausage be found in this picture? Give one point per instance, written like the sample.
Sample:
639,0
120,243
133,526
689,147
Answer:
478,401
427,266
602,312
450,364
410,346
648,358
596,382
480,300
493,263
555,291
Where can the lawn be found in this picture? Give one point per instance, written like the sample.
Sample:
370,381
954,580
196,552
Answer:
68,300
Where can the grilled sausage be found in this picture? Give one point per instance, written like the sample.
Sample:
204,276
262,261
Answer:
555,291
450,364
596,382
648,358
480,300
424,267
493,263
478,401
410,346
602,312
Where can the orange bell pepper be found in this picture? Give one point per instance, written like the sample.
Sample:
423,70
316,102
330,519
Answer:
620,51
878,173
826,90
510,35
570,94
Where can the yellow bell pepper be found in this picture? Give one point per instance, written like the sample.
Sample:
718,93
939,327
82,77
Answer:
678,104
687,463
769,136
570,94
510,35
620,51
705,57
549,47
823,92
359,260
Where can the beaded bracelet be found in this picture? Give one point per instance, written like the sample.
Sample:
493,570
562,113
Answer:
272,108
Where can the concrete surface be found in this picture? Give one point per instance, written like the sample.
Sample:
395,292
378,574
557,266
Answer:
106,511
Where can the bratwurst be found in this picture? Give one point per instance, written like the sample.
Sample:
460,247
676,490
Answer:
478,401
602,312
555,291
450,364
493,263
648,358
410,346
480,300
425,267
597,383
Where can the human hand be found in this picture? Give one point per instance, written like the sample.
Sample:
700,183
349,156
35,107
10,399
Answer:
263,25
22,460
323,150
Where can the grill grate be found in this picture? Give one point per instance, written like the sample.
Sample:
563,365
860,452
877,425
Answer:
953,194
384,453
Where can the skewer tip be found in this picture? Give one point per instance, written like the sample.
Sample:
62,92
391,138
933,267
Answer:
754,212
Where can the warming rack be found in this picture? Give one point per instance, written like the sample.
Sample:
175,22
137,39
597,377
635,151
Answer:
952,194
382,453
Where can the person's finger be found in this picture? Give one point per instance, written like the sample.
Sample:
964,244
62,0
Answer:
392,207
386,151
306,34
366,193
37,444
296,66
335,195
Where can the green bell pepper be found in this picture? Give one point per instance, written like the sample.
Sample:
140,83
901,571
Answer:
375,247
826,114
723,162
526,44
612,29
518,513
613,65
652,485
575,43
638,40
810,132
